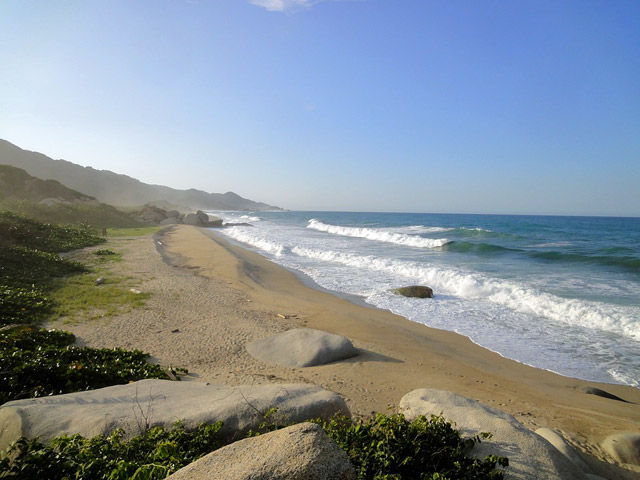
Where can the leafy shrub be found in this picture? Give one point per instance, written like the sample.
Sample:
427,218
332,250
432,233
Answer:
18,230
22,305
391,447
21,265
153,455
104,251
35,362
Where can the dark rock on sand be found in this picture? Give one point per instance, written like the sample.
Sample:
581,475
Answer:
602,393
418,291
303,451
302,347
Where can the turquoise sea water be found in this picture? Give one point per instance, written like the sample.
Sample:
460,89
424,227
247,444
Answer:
560,293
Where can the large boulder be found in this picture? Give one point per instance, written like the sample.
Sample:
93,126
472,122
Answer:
300,452
418,291
204,218
302,347
172,213
192,219
623,447
147,403
563,447
170,221
530,456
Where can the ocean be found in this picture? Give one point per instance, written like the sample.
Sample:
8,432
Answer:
558,293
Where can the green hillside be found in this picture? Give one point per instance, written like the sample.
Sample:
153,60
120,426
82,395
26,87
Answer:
50,201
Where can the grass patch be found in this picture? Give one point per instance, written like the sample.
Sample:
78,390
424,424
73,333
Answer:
132,232
79,298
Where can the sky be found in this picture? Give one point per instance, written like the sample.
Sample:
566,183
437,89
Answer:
515,107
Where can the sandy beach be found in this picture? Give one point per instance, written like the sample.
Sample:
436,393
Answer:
209,298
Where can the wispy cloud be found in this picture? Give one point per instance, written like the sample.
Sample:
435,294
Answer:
283,5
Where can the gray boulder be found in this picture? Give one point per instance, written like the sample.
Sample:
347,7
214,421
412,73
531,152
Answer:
204,218
530,456
623,447
302,347
192,219
172,213
138,406
418,291
303,452
563,447
170,221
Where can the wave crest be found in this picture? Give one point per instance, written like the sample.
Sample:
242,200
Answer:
378,235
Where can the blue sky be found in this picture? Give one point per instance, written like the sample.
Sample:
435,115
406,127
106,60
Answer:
432,106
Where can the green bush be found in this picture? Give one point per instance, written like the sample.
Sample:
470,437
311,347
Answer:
392,447
19,230
23,305
384,447
35,362
153,455
24,266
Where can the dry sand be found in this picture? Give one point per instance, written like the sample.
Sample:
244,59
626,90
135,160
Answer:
220,296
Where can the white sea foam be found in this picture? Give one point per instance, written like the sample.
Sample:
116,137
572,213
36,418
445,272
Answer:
245,235
378,235
250,218
514,296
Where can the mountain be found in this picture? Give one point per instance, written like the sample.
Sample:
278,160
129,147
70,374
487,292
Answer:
50,201
116,189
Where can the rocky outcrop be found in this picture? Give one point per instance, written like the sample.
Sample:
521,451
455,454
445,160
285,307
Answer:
148,403
530,456
303,452
302,347
418,291
152,214
623,447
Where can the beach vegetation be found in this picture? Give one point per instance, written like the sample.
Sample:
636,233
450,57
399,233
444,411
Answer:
36,362
154,455
384,447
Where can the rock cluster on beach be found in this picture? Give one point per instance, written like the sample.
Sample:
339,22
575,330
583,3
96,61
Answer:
156,215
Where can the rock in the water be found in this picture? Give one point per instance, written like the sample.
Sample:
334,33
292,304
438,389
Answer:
623,447
602,393
192,219
563,447
303,452
216,223
302,347
149,403
530,456
419,291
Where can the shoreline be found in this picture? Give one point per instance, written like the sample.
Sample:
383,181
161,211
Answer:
220,296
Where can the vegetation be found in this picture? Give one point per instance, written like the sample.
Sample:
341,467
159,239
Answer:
385,447
50,201
153,455
28,266
35,362
390,447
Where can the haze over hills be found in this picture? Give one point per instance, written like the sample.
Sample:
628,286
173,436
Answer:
117,189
